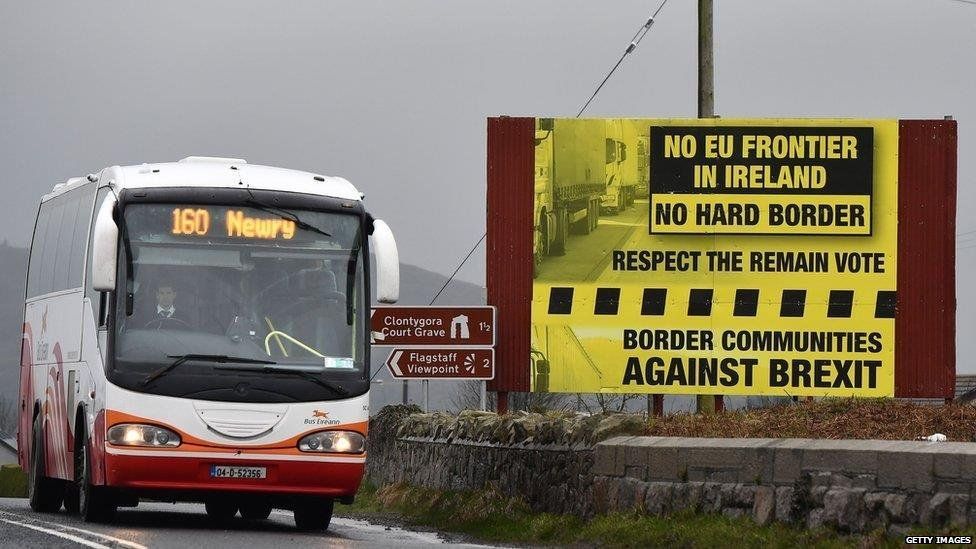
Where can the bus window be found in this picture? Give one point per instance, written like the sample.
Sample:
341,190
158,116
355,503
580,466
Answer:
80,236
50,250
62,258
273,290
37,251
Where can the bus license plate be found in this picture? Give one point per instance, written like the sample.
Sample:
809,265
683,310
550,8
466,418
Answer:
230,471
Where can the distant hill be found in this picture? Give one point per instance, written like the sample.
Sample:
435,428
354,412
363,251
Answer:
13,271
417,287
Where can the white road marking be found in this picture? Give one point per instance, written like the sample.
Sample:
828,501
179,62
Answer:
377,528
119,541
62,535
364,526
614,223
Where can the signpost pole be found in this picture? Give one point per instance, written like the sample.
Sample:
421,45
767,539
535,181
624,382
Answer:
484,396
706,109
426,385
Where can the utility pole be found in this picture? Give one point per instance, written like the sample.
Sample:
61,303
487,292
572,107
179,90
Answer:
706,109
706,71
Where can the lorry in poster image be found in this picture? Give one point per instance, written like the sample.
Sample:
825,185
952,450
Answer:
623,170
570,176
643,165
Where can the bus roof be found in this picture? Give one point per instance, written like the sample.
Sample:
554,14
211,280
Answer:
202,171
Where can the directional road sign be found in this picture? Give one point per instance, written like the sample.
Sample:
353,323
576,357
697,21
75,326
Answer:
441,327
444,363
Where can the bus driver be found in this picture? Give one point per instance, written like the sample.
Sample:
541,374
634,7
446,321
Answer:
164,313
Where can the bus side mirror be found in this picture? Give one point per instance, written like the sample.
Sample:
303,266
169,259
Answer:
387,263
105,245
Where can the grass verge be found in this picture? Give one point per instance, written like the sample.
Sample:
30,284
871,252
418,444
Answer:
488,516
13,482
831,418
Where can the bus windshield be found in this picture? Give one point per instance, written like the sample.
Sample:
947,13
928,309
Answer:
247,303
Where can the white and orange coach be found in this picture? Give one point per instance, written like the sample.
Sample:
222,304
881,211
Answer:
199,331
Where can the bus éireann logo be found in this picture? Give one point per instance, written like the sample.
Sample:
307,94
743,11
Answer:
320,417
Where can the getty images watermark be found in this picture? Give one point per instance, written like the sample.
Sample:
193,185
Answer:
939,540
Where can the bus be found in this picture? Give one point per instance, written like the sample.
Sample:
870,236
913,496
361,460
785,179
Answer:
199,331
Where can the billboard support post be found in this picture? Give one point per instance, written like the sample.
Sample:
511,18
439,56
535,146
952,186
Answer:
502,407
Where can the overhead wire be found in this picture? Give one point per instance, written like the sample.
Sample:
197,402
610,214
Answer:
638,36
463,261
634,42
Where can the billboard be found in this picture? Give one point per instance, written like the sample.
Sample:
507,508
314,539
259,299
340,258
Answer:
718,256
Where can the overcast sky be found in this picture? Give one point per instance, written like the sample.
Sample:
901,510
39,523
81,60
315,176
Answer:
394,95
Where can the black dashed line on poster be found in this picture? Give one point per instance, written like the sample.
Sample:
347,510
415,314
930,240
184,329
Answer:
840,303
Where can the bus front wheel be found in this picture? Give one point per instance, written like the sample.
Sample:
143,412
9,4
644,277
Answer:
95,503
312,516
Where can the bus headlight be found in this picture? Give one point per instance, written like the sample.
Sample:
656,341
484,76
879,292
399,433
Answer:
137,434
342,442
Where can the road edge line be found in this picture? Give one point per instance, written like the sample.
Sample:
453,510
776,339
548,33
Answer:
62,535
105,537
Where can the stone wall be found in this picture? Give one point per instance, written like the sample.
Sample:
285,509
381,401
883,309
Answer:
545,460
851,485
580,466
548,478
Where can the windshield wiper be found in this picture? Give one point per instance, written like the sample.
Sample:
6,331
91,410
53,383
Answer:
180,359
334,387
284,214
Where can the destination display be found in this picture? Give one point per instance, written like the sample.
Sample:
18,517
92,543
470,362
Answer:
231,223
750,257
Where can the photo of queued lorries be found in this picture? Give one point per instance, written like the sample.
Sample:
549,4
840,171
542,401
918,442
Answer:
584,169
591,190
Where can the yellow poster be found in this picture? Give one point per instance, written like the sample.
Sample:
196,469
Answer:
747,257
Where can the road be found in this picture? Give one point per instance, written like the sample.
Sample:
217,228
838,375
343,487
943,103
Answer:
186,525
613,232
